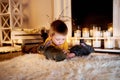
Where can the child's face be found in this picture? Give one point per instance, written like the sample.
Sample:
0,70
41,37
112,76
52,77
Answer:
58,39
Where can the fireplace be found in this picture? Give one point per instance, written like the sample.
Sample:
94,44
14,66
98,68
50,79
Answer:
86,13
93,21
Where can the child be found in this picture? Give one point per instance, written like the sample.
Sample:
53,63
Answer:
57,35
57,38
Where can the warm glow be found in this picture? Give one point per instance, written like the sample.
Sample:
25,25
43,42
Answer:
110,29
69,41
89,42
85,29
85,32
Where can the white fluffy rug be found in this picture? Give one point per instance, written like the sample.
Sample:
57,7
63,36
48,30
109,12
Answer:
36,67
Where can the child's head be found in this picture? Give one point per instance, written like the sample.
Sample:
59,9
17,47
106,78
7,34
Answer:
58,32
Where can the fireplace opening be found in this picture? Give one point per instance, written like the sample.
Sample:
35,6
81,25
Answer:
86,13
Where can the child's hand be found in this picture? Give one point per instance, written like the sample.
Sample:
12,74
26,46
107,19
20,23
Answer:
70,55
65,51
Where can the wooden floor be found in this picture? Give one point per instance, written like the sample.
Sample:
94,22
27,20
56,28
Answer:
7,56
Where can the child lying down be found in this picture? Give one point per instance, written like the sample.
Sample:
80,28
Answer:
57,54
53,53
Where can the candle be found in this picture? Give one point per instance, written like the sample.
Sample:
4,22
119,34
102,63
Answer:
110,28
91,32
77,33
109,43
97,34
75,41
107,34
85,32
88,42
96,43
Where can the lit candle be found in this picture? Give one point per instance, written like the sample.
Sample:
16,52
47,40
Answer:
91,32
110,28
107,34
97,34
85,32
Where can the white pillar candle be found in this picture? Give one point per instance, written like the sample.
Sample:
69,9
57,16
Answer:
109,43
75,41
77,33
97,43
110,29
107,34
97,34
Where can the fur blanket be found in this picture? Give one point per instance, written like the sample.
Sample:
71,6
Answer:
35,67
